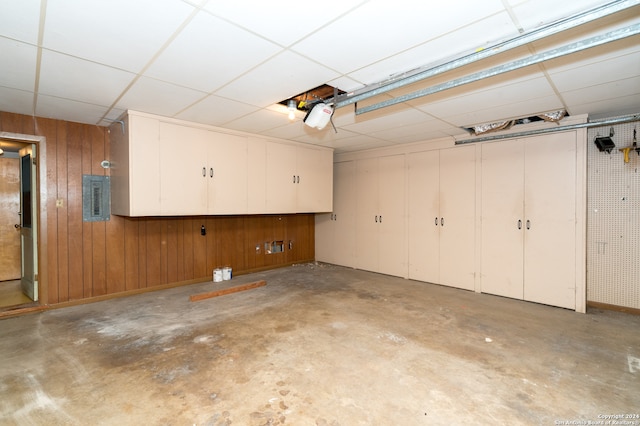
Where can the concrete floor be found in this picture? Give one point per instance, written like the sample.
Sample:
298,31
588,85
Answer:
319,345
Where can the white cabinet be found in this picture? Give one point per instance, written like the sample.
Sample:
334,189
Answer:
135,166
203,172
441,194
299,179
165,167
336,231
529,219
380,215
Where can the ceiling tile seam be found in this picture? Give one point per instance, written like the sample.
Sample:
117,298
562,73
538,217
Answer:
512,15
36,83
165,45
401,74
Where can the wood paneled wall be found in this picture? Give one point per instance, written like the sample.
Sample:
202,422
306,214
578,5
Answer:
83,260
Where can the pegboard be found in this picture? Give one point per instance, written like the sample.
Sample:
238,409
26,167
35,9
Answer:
613,219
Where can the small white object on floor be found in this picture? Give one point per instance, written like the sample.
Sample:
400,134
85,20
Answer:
488,339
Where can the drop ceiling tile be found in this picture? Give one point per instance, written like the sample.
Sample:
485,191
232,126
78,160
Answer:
67,77
455,44
69,110
120,33
495,95
216,111
17,101
523,108
259,121
20,20
608,107
534,14
112,115
387,118
282,22
427,126
209,53
282,76
18,64
356,143
157,97
382,28
596,72
324,137
606,91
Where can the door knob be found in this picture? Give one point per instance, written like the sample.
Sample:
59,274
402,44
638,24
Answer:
17,226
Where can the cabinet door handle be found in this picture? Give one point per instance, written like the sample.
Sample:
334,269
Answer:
528,224
376,219
380,218
519,223
436,221
204,172
335,217
211,171
442,221
294,178
297,179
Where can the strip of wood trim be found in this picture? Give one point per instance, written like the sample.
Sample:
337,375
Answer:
225,291
606,306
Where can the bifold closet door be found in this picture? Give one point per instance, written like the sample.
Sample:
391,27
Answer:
550,220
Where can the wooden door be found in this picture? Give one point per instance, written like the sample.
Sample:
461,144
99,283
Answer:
457,216
184,170
550,220
392,248
281,176
227,162
9,217
502,218
424,216
367,226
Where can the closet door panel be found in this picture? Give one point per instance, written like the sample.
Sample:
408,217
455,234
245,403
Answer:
391,220
344,208
424,216
550,211
366,214
457,216
502,218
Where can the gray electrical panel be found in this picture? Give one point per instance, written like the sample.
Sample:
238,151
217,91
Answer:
96,198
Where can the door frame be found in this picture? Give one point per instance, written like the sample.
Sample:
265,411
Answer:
39,213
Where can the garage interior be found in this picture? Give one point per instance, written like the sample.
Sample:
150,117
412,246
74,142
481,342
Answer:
446,220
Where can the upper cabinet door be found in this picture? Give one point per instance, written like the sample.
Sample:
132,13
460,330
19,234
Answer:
281,178
315,180
227,171
185,174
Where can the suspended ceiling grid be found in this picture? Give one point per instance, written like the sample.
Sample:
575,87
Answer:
228,64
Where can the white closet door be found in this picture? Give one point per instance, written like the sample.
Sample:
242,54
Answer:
391,221
502,218
424,216
344,223
367,214
457,216
550,212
